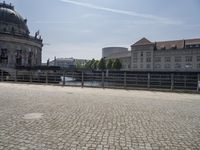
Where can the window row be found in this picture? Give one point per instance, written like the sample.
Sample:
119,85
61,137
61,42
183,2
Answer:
177,59
135,66
166,66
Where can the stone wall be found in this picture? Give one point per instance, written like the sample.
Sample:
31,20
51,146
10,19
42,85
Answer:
28,49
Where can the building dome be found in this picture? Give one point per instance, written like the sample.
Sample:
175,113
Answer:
11,21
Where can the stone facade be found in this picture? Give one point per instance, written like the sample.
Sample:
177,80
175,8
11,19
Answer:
180,55
17,47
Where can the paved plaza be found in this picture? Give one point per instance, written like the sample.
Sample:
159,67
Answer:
54,117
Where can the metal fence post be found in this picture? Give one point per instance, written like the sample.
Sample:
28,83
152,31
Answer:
82,80
149,78
46,77
16,76
102,80
31,79
1,75
198,82
172,81
125,80
64,78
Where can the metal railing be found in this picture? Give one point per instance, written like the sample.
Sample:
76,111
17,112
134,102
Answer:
111,79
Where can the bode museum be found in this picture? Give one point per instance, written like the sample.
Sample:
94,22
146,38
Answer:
17,46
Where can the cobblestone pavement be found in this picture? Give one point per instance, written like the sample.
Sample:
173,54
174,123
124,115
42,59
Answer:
75,118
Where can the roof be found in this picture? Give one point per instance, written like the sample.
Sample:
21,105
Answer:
192,41
9,16
175,44
143,41
179,44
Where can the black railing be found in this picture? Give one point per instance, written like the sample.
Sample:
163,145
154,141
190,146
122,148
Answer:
109,79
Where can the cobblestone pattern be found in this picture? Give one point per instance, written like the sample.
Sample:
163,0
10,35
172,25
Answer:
96,119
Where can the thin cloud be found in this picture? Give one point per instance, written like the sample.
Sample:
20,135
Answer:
52,22
123,12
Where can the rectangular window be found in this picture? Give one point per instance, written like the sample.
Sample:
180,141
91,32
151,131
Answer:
148,66
198,66
157,59
4,56
134,65
19,57
141,54
188,58
148,59
178,59
141,59
135,57
188,66
148,54
198,58
141,66
158,66
167,66
177,66
167,59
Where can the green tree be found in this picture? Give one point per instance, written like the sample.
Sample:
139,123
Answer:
109,64
102,64
89,64
95,65
117,64
79,65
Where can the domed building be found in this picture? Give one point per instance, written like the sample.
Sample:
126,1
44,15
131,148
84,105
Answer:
17,47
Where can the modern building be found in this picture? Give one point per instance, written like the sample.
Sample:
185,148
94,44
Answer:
178,55
17,46
109,51
120,53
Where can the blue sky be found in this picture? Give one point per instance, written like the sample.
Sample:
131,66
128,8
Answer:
81,28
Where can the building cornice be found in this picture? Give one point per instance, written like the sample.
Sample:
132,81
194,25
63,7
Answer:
28,40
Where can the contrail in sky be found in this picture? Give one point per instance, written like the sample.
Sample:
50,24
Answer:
123,12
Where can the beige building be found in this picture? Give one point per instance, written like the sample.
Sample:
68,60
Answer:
179,55
17,47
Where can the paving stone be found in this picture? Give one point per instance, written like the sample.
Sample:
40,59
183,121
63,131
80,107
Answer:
96,119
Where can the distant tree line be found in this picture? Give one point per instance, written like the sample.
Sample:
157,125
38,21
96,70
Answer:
102,64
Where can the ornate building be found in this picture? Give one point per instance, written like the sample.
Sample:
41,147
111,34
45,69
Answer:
17,47
177,55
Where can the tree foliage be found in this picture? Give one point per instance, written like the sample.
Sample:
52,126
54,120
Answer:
95,65
109,64
116,64
102,64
